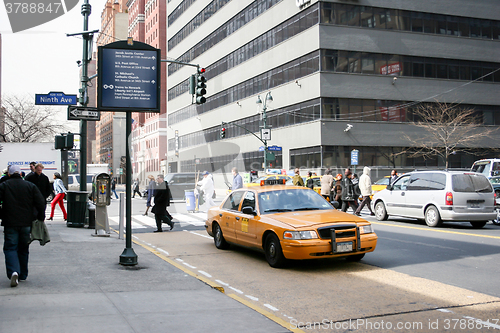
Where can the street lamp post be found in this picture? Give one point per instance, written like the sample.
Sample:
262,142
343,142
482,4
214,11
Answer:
267,101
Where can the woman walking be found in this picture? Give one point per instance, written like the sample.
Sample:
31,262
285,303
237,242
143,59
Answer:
60,191
151,193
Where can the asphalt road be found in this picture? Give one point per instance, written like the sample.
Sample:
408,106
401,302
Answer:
419,279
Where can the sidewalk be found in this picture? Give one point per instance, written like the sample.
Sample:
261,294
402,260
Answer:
76,284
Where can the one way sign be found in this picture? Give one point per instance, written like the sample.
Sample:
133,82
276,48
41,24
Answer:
83,113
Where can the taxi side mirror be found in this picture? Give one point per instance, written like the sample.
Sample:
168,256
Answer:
335,204
248,210
389,187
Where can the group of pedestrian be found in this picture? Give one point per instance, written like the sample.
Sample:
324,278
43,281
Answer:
23,201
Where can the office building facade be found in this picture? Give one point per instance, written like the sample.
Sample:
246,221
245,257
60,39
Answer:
343,76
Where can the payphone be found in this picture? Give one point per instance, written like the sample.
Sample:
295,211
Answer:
101,196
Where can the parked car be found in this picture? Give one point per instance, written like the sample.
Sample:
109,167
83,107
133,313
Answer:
438,196
74,182
488,167
179,182
288,222
495,182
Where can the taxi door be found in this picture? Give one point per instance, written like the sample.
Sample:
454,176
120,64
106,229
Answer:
229,213
245,224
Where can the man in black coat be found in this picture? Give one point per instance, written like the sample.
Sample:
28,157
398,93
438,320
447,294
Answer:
40,180
22,203
162,201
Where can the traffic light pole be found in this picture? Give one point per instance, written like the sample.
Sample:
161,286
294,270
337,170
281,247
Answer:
86,10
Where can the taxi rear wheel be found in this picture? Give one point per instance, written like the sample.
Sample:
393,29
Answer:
219,240
380,211
274,254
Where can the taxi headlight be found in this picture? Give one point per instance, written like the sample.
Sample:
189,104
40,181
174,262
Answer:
365,229
309,234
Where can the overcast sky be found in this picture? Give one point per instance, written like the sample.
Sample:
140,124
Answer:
43,59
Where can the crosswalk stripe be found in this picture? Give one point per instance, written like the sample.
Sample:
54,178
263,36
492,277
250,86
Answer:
135,225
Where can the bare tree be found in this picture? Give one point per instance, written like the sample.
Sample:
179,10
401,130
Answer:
446,129
23,121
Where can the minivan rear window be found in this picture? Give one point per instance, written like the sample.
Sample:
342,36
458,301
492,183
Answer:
471,183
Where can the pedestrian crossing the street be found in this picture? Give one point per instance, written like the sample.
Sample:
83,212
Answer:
196,220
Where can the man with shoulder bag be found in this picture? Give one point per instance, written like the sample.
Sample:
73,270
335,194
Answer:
22,203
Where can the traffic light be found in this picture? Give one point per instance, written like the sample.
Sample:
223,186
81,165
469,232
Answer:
200,86
64,141
192,84
222,132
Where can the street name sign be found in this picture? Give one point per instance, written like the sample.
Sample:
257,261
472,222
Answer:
83,113
129,77
275,148
55,98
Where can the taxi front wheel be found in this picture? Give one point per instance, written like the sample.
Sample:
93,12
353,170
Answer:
274,254
219,240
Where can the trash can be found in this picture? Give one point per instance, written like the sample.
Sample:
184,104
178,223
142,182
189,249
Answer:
190,200
77,208
91,217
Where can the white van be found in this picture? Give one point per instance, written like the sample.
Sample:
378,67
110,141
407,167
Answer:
74,182
437,196
488,167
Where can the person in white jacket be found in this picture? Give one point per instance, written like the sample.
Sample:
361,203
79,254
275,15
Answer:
207,186
365,186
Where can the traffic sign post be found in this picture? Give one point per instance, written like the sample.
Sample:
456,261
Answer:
129,77
83,113
55,98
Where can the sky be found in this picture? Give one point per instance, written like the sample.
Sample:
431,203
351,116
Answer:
43,59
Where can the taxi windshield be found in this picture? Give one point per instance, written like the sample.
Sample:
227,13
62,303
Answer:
291,200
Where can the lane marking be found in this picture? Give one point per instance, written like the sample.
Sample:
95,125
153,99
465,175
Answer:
205,273
237,290
179,266
271,307
162,250
267,314
223,283
188,265
197,234
252,298
436,230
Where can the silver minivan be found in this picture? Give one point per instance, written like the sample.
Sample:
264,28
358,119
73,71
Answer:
437,197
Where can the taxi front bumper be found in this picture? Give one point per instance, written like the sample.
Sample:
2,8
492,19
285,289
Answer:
322,248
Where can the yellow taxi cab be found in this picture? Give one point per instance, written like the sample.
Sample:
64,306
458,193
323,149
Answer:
266,178
380,184
316,182
288,222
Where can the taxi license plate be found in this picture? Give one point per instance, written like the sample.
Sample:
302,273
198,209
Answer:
474,205
344,247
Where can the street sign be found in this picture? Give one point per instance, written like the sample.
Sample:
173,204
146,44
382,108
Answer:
55,98
83,113
265,133
274,148
354,157
129,77
261,148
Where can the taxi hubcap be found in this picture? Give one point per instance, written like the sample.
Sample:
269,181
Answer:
272,250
